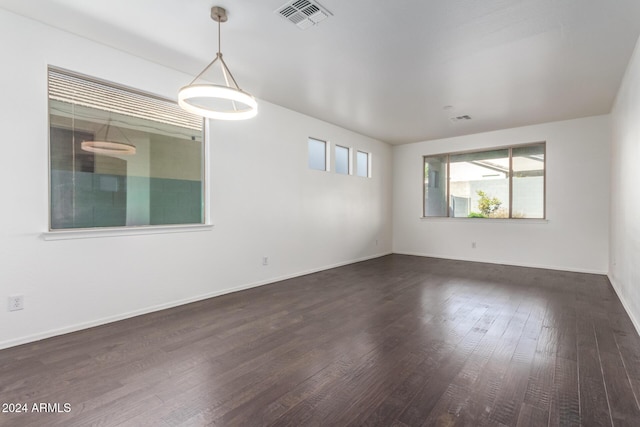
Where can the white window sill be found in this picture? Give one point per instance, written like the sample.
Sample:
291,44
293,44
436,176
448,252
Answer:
91,233
486,220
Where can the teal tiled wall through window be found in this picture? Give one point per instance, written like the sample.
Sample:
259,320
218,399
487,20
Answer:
175,201
89,200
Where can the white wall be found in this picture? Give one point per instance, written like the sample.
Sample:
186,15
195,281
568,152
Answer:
574,238
265,201
624,265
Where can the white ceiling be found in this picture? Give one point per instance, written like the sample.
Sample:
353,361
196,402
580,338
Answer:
382,68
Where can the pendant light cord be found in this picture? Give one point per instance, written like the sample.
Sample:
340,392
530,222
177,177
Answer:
219,39
225,69
205,98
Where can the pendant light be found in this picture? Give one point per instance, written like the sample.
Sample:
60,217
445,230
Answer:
223,102
108,147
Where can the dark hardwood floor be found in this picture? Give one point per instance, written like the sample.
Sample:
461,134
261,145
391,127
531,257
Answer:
395,341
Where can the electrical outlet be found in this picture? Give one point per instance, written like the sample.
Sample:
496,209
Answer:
265,260
473,245
15,302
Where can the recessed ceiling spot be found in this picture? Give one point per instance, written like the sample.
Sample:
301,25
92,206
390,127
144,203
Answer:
303,13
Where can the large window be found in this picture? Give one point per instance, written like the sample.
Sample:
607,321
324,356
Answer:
500,183
120,158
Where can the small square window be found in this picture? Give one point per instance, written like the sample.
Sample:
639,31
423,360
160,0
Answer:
342,160
317,154
362,164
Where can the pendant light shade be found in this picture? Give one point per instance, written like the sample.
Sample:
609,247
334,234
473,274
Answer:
222,102
109,146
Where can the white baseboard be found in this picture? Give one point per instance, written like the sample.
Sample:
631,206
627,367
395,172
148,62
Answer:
515,264
85,325
626,306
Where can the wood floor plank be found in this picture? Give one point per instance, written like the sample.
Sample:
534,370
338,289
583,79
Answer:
512,392
423,403
453,407
539,389
622,402
460,313
397,399
594,404
532,416
391,350
565,403
389,409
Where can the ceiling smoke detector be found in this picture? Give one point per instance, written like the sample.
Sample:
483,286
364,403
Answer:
460,118
303,13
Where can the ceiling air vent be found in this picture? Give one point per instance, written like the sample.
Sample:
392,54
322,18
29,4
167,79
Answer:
460,118
303,13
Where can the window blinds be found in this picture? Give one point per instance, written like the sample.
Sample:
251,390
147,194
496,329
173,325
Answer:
73,89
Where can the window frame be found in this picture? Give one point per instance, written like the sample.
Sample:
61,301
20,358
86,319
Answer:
510,149
108,231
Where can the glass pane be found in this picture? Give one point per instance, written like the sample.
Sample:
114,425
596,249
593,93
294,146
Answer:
362,163
317,154
479,184
342,160
528,181
435,191
113,170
